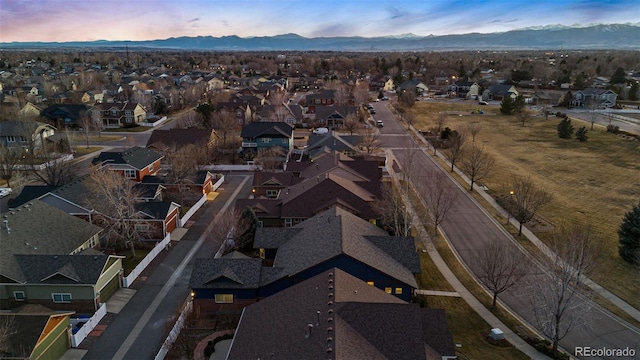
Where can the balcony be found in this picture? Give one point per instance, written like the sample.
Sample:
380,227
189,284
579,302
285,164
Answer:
249,144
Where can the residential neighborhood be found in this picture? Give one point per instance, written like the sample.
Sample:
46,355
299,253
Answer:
302,205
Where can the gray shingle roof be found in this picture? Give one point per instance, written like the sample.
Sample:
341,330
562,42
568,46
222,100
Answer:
335,232
349,320
62,269
136,157
39,229
261,129
226,273
273,238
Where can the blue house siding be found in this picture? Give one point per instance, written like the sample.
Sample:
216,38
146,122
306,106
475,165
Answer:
361,271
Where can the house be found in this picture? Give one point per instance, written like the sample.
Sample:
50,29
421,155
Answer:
163,140
332,179
499,91
28,135
114,115
67,115
319,144
154,217
600,98
265,135
465,89
333,116
323,97
47,258
36,334
413,85
92,96
333,238
290,114
338,316
134,163
30,110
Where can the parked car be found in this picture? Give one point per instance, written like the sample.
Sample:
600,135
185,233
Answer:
380,124
384,98
321,131
372,111
482,102
4,192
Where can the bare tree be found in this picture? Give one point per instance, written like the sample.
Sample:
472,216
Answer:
115,198
370,141
87,125
229,226
555,300
473,129
527,200
361,93
270,158
8,331
455,147
523,115
225,124
9,163
410,117
477,163
392,210
499,267
441,120
439,195
351,123
592,104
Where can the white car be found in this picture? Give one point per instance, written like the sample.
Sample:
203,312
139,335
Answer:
319,131
5,192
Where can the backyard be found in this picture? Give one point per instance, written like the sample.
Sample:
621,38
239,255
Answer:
594,181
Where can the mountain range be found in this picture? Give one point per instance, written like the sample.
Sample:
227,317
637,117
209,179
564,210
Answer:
611,36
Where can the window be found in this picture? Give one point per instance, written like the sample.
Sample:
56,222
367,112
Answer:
130,174
224,298
11,139
387,290
18,295
61,297
287,222
92,243
23,139
142,227
272,194
285,140
398,291
370,283
266,140
151,167
260,223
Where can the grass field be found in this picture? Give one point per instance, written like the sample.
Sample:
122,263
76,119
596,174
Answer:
595,181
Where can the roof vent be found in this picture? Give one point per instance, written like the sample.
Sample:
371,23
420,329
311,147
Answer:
329,329
330,295
329,339
330,319
330,287
330,274
330,303
329,349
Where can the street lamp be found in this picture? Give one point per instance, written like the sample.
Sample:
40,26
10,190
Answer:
509,206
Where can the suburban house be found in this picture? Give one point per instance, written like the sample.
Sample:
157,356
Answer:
290,114
333,238
333,116
335,315
47,257
173,139
323,97
154,218
114,115
413,85
333,179
465,89
37,334
31,110
601,98
319,144
265,135
93,96
28,135
134,163
499,91
68,115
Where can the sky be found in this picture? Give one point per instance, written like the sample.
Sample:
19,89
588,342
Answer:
88,20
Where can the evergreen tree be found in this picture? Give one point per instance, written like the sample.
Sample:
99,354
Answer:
629,236
581,134
507,106
565,129
633,91
618,76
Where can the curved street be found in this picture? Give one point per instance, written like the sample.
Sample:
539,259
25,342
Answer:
468,228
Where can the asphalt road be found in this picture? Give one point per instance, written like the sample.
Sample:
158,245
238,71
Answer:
469,228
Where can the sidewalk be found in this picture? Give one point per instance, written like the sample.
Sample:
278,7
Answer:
623,305
462,291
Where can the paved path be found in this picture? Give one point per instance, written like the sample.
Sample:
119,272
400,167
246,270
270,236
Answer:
140,328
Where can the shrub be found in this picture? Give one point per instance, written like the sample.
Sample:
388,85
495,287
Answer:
613,129
129,125
629,236
581,134
565,129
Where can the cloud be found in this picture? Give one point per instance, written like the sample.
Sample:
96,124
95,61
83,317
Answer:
193,20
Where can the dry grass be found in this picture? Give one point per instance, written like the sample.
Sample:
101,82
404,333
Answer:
597,180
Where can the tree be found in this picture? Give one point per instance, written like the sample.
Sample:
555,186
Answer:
115,199
527,200
9,161
439,195
410,117
455,147
633,91
392,210
499,267
407,98
370,141
206,111
523,115
629,236
477,163
581,134
592,104
473,129
249,223
270,158
351,123
557,307
510,106
619,76
565,129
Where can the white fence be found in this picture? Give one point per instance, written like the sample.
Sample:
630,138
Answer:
62,158
129,279
218,183
88,326
153,124
192,211
232,167
175,331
